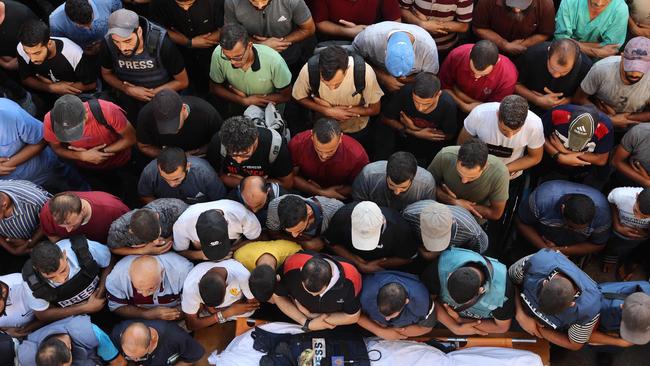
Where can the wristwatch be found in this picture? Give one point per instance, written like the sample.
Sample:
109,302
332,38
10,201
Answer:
556,155
189,43
305,327
221,318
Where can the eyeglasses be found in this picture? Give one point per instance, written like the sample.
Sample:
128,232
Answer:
136,359
235,59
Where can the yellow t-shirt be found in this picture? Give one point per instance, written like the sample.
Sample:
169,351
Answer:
280,249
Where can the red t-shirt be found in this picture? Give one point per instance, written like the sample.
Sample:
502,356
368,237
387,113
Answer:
342,168
96,134
106,208
365,12
491,88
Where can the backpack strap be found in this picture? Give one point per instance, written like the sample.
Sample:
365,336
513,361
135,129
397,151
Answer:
96,110
276,145
313,71
79,245
614,296
40,288
359,76
153,38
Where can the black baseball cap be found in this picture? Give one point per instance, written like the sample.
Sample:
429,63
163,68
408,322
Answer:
167,105
68,116
212,230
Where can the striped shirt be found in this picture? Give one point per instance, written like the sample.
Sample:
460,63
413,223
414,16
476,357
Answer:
578,333
28,199
465,231
443,11
326,206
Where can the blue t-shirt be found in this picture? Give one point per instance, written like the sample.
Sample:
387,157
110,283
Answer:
62,26
106,349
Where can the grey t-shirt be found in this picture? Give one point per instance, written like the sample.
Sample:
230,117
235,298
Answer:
637,142
279,18
371,44
604,81
168,209
370,185
329,206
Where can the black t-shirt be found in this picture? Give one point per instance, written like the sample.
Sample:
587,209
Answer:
174,344
204,16
258,163
68,64
16,14
443,117
431,279
396,239
201,124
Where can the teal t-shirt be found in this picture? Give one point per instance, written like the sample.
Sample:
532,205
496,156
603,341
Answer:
609,27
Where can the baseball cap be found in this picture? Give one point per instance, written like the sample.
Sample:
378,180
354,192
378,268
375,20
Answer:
636,56
68,116
367,221
581,130
399,54
167,105
435,226
212,230
635,322
519,4
123,22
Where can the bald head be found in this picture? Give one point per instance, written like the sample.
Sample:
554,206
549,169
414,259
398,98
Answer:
254,192
146,275
135,340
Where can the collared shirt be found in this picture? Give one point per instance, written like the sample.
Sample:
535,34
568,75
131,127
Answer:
61,25
442,11
609,27
277,19
495,15
27,199
327,206
17,312
203,16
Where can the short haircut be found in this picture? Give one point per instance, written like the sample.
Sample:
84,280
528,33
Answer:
513,111
483,54
145,225
330,60
579,209
212,289
463,284
391,298
473,153
325,129
52,352
426,85
566,49
316,274
231,34
644,201
171,158
237,134
401,167
33,33
262,282
291,211
64,204
555,296
46,257
79,11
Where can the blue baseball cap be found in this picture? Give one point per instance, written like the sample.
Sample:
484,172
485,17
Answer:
399,54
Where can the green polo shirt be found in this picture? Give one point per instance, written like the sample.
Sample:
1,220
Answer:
268,73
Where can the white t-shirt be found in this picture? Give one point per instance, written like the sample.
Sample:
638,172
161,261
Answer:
624,199
483,122
101,254
17,313
236,285
240,221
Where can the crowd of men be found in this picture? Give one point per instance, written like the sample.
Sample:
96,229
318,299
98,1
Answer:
169,165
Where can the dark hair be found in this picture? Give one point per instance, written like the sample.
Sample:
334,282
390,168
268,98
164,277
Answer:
391,298
579,209
262,282
463,284
555,296
145,225
513,111
316,274
171,158
566,49
325,129
33,33
79,11
330,60
473,153
212,289
401,167
64,204
291,210
46,257
256,181
644,201
238,133
426,85
484,53
231,34
52,352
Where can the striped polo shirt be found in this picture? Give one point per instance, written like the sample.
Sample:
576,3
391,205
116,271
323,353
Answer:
28,199
443,11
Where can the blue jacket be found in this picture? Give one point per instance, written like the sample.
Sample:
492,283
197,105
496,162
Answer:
614,294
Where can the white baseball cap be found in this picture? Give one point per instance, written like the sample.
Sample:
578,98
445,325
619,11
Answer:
367,221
